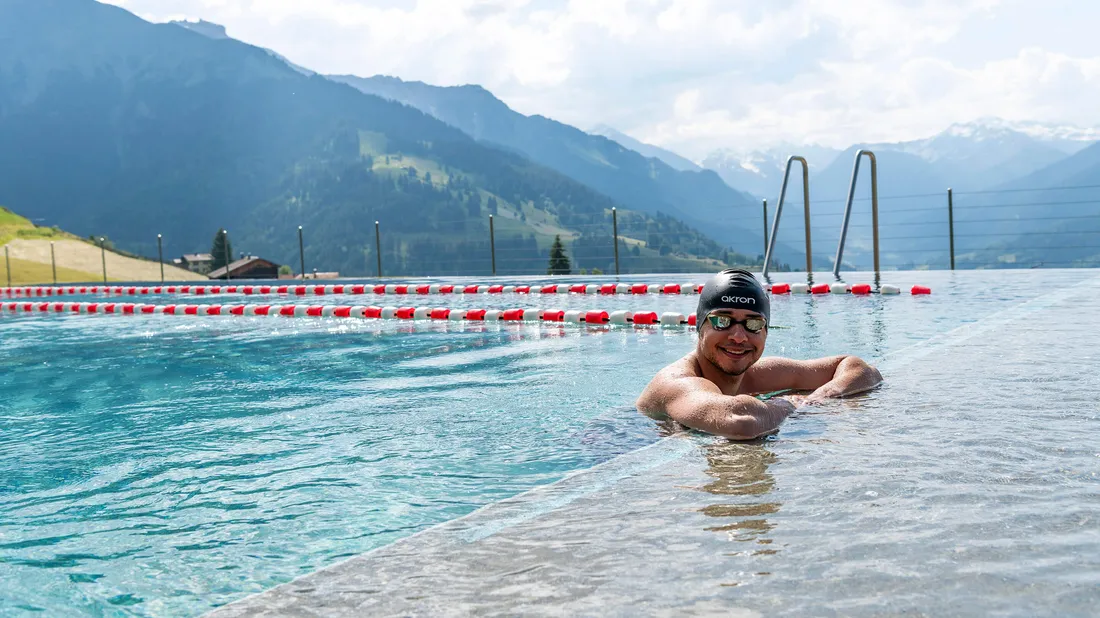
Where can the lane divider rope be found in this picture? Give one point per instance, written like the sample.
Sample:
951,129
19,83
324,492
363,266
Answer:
358,311
392,289
858,289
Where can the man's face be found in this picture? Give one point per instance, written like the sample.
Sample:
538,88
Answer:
735,349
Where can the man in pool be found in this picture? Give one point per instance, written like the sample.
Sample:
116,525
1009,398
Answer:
714,388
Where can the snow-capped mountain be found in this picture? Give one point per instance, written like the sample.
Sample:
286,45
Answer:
1065,137
991,151
760,172
973,155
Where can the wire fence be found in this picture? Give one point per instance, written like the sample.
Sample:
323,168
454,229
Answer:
1033,227
1009,228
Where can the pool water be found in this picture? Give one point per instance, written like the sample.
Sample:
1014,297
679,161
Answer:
168,465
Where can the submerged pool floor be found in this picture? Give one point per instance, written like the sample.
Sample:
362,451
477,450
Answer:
967,486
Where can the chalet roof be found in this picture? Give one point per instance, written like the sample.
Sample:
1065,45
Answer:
239,265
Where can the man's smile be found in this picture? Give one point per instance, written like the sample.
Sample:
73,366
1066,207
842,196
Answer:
736,353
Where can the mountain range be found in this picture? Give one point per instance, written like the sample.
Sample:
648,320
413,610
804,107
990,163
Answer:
760,172
695,196
975,155
670,158
989,164
111,125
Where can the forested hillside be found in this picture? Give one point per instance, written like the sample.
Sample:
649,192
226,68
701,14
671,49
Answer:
111,125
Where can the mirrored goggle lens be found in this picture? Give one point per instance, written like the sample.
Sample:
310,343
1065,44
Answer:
723,322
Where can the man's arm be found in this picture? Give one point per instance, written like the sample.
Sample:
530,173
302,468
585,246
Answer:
834,376
699,404
852,376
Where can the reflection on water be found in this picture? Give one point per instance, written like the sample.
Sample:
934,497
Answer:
741,469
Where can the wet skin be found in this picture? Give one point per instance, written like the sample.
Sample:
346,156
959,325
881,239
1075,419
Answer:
712,388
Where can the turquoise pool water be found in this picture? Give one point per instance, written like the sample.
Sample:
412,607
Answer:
157,465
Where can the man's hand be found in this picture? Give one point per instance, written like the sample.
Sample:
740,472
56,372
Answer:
798,400
852,376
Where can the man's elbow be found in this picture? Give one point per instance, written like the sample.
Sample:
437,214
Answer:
867,371
872,373
741,428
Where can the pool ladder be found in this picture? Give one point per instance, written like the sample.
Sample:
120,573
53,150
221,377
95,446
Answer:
779,213
848,208
806,207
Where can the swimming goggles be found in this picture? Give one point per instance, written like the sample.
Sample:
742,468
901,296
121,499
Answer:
724,322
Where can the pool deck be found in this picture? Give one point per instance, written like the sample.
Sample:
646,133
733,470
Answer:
684,525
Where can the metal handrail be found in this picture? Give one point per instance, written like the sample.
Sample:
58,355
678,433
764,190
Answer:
779,213
848,208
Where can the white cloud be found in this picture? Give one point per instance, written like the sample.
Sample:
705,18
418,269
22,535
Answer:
695,75
851,102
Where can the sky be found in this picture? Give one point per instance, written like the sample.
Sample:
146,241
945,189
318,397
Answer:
699,75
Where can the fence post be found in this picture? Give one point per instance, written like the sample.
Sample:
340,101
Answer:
103,255
951,224
225,250
301,253
615,232
492,246
53,263
7,263
160,256
765,226
378,247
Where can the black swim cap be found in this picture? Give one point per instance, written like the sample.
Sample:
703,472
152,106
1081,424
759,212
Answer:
733,288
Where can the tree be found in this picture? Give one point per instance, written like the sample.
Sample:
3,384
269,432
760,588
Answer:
220,249
559,262
285,270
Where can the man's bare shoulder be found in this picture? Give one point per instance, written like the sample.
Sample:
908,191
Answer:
666,385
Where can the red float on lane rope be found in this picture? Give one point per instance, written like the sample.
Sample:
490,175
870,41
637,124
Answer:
596,317
553,316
